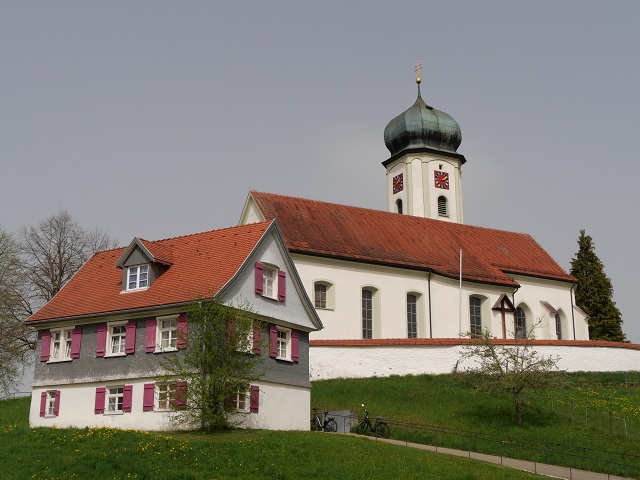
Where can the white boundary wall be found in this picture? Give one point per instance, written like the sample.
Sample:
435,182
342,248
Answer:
382,361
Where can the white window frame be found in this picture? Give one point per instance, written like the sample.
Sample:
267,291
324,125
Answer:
51,404
135,276
242,401
61,353
173,329
283,339
269,281
165,396
114,397
111,336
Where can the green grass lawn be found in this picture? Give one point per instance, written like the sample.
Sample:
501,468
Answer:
443,400
46,453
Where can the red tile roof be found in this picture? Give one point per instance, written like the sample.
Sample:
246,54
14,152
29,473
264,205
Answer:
201,264
359,234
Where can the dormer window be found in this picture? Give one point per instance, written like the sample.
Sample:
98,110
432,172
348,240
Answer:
138,277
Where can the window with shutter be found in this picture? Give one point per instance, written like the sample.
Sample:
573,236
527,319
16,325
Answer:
148,397
254,399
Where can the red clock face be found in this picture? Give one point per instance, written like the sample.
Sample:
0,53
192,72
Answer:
398,184
441,180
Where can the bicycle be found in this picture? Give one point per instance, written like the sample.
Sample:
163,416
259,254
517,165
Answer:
329,424
379,428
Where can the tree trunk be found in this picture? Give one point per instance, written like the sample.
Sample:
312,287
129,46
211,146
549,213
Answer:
516,400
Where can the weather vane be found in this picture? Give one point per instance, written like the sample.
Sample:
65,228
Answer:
417,70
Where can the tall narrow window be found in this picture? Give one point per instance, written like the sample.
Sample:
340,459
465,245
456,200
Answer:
168,329
61,344
367,314
118,339
399,205
443,211
558,327
520,323
412,316
320,291
475,317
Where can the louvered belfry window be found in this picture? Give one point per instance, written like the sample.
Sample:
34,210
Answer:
443,210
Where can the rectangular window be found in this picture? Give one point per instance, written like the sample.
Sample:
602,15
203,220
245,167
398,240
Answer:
166,396
284,350
51,402
268,282
115,399
138,277
118,339
412,316
367,314
168,333
61,344
475,317
240,401
320,295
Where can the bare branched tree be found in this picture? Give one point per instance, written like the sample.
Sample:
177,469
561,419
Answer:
54,251
512,369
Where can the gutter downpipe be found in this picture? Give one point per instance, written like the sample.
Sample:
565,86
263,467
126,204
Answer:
573,317
429,288
513,299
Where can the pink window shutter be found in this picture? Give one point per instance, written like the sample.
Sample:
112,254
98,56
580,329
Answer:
254,399
181,394
76,341
295,346
182,331
45,346
282,285
150,342
148,397
99,405
273,341
130,340
257,339
56,404
127,398
259,275
43,404
101,342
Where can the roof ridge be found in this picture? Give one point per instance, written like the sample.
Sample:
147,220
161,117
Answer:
395,215
247,226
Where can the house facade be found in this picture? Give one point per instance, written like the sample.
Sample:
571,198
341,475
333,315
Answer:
101,338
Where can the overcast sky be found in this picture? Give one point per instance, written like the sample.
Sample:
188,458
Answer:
155,118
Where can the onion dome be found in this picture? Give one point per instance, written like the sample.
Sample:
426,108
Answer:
422,126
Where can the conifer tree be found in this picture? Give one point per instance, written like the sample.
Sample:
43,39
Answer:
594,293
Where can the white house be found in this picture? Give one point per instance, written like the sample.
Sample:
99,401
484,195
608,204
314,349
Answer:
100,338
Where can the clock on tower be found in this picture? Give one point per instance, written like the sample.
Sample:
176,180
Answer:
441,180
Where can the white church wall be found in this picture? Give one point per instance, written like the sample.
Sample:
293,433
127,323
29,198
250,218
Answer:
367,361
397,169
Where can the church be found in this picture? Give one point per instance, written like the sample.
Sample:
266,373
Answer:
417,271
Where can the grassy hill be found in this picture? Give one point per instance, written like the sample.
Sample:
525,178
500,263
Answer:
592,411
46,453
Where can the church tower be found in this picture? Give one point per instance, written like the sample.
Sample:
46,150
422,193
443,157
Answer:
424,170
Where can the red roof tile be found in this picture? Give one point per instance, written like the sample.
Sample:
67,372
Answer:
201,264
352,233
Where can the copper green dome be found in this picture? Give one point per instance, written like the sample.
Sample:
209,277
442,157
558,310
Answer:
422,126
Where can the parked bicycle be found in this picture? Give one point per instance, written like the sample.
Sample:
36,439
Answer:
328,425
379,428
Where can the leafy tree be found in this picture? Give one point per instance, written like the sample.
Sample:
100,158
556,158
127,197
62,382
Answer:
218,365
594,293
52,252
508,368
16,340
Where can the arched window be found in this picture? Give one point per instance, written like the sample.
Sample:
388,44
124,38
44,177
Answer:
520,323
443,209
323,294
399,205
412,316
558,327
475,316
367,314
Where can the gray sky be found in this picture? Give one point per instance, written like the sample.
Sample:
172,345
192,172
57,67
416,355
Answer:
155,118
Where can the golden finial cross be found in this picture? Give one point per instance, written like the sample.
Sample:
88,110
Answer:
417,70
